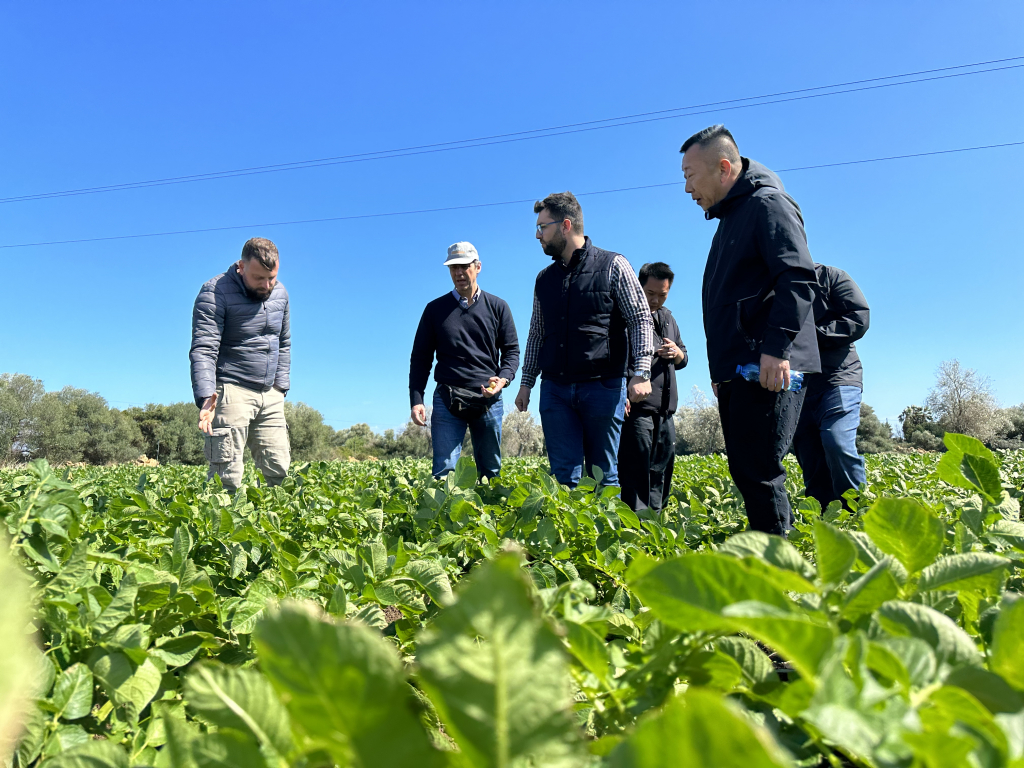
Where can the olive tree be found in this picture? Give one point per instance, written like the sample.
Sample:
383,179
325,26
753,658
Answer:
962,401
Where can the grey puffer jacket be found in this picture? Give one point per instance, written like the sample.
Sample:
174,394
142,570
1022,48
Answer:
237,339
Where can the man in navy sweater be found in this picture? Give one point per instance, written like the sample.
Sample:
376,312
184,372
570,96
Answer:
474,337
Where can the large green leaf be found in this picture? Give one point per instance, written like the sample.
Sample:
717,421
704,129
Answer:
967,463
72,694
589,649
772,549
698,730
690,592
91,754
756,665
241,699
834,551
498,675
987,687
344,688
870,590
712,592
961,571
1007,657
119,609
127,685
950,643
431,576
907,530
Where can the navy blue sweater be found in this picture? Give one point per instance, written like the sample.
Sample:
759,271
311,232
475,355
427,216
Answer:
471,344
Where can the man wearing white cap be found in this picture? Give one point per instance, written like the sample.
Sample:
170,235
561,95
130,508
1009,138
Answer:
473,335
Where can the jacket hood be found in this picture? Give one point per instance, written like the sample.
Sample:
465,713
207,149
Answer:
754,177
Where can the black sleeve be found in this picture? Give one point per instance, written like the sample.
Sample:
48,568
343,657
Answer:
783,245
674,335
848,314
422,358
508,344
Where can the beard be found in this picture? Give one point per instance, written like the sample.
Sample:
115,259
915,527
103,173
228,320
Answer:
555,247
255,295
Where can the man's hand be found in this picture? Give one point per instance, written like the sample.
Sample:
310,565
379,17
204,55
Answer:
670,351
206,414
638,389
494,385
774,373
714,387
523,398
419,415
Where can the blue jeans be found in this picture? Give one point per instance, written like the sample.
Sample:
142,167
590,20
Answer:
582,424
447,433
826,442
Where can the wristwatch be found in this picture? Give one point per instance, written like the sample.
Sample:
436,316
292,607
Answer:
645,375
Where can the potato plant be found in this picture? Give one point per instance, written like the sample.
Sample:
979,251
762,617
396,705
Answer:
363,614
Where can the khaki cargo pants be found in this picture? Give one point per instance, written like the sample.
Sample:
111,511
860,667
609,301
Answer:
247,417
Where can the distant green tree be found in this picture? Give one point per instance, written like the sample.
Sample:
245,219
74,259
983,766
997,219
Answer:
412,442
358,442
920,428
521,435
873,435
75,425
310,438
19,397
1009,428
699,426
170,433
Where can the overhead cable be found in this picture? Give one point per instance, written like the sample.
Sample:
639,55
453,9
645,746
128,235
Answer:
353,217
549,132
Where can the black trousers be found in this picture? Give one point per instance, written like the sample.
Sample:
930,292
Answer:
647,456
758,426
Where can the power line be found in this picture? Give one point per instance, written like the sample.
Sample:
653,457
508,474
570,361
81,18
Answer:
485,205
540,133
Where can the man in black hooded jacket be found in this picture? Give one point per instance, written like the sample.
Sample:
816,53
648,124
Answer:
759,286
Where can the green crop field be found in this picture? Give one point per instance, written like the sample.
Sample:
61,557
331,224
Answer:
363,614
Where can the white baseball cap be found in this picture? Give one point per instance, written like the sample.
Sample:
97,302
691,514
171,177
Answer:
461,253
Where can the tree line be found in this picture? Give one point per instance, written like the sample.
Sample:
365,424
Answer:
74,425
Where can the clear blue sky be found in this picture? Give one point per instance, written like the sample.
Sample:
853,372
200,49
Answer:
103,93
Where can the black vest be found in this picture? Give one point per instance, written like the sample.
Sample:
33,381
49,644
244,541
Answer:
584,331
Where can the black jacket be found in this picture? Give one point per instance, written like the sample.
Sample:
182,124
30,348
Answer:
664,395
759,282
584,330
841,315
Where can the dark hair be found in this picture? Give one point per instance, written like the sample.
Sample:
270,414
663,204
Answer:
264,251
719,136
562,206
659,270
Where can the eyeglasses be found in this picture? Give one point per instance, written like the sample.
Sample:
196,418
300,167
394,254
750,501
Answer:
540,227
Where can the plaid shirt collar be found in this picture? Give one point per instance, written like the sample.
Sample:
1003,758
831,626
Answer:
463,302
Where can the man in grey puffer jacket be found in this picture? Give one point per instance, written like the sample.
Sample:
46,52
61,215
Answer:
241,357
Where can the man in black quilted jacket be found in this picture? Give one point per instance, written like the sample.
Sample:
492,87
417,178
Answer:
241,357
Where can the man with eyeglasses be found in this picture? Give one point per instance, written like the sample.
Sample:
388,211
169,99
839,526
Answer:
477,348
591,326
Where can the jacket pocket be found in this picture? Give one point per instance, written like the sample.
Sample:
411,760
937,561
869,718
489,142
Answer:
594,344
747,314
217,448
